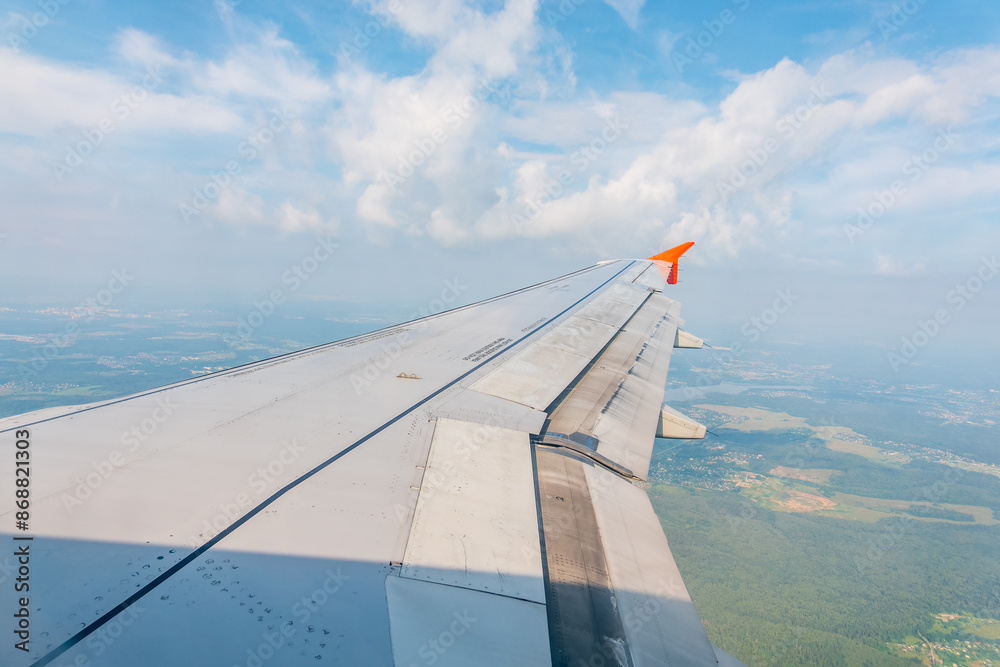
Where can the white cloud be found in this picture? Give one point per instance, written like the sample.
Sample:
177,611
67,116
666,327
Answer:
445,229
628,9
237,206
405,139
298,220
269,68
816,123
488,131
886,265
41,96
141,48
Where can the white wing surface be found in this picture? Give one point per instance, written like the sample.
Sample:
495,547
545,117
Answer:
464,489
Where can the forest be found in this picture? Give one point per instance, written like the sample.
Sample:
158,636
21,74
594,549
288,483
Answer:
777,588
783,588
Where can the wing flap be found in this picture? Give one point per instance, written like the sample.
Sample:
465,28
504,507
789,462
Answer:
475,524
661,624
614,407
584,624
447,626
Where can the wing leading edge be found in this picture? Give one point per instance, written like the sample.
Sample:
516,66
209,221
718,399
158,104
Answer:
462,489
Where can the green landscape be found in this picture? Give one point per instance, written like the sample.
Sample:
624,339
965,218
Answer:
805,542
825,520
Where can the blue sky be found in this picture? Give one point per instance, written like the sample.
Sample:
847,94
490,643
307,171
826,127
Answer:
846,148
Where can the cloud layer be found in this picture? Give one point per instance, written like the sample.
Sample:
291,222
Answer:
487,136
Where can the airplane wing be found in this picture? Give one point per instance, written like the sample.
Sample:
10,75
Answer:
463,489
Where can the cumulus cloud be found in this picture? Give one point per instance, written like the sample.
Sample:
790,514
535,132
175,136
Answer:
41,96
406,138
727,175
268,67
488,138
141,48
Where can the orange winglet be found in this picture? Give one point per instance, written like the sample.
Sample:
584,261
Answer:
672,256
